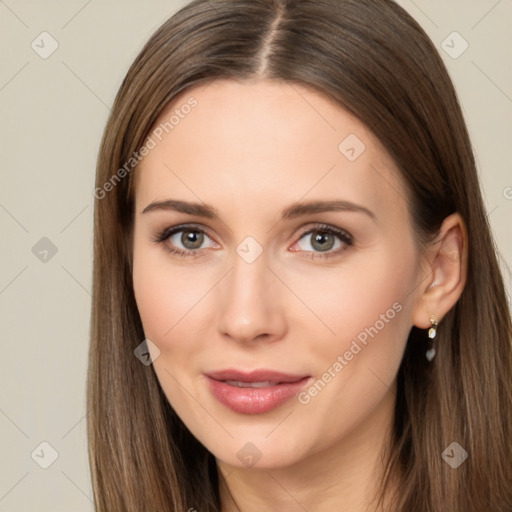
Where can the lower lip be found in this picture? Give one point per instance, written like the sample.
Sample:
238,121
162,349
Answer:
254,400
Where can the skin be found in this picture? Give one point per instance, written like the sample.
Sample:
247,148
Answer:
250,149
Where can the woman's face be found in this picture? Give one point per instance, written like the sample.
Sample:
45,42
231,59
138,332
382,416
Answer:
282,321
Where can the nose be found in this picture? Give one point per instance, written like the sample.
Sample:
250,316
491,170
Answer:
250,303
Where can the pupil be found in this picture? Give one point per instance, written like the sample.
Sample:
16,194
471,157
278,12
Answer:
193,238
323,241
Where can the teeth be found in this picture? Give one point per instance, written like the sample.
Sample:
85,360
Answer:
239,384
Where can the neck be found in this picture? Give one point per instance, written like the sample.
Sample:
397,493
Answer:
346,477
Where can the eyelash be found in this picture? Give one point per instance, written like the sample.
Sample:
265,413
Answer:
343,235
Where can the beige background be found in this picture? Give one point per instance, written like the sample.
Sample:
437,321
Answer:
53,112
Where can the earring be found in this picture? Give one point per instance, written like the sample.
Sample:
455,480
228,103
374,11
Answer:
431,352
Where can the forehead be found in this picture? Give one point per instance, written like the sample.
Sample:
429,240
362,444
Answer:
259,142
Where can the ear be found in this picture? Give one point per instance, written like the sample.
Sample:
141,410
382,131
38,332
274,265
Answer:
445,265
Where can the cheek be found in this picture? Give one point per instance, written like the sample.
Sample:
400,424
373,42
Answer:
154,300
367,309
164,292
357,301
165,297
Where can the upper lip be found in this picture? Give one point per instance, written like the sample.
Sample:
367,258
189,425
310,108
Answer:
261,375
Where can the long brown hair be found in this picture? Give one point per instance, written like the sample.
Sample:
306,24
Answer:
375,61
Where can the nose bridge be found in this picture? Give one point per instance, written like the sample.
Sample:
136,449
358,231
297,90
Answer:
250,279
249,307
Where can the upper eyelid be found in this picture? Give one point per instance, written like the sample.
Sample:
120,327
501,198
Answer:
187,227
322,226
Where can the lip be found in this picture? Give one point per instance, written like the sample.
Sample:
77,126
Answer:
250,400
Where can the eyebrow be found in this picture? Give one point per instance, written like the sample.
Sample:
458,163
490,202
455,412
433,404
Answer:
291,212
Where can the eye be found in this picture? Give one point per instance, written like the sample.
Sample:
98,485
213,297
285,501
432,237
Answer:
326,241
183,240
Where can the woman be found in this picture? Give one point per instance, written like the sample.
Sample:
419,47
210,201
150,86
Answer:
289,227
